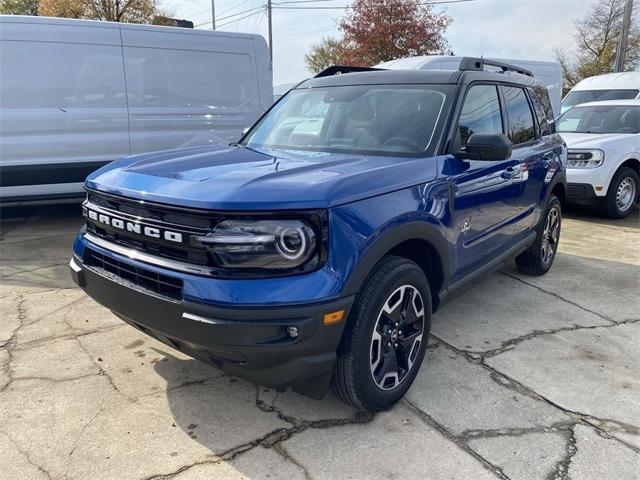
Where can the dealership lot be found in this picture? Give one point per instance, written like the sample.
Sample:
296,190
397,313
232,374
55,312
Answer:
524,378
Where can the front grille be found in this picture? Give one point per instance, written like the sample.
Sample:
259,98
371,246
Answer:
167,215
130,275
194,255
187,223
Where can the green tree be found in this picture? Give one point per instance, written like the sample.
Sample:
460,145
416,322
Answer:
324,54
19,7
597,36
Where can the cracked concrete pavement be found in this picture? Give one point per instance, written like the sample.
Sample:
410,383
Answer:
524,378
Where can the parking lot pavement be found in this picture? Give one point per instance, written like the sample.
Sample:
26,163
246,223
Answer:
525,378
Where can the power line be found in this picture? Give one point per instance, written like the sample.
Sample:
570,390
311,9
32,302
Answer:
241,18
254,9
285,5
295,5
304,1
208,10
242,13
235,7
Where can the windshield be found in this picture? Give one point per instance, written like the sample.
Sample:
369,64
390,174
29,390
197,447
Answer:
375,119
601,119
585,96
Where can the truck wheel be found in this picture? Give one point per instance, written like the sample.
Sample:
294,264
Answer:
622,194
386,339
537,260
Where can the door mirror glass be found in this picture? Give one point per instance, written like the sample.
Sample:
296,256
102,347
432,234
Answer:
486,146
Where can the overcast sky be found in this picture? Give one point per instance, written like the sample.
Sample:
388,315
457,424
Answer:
527,29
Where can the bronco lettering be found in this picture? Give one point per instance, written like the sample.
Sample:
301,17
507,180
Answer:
133,227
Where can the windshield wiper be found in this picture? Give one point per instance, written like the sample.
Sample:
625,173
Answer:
236,144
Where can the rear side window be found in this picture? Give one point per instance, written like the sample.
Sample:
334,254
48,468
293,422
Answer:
542,95
521,125
480,114
545,129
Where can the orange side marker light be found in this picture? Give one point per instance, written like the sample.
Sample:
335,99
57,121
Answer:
333,317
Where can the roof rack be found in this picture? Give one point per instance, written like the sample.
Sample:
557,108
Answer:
340,69
477,64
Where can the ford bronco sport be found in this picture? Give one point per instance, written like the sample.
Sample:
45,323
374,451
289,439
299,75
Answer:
315,251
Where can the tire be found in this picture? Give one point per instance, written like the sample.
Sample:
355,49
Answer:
537,260
399,283
622,194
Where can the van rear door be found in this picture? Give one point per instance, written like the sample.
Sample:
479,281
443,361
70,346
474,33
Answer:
189,87
63,110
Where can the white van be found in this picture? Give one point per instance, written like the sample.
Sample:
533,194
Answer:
610,86
549,73
77,94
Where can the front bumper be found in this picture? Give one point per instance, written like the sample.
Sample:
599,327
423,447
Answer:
252,343
586,186
582,194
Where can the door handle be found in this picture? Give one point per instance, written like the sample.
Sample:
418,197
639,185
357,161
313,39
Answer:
511,172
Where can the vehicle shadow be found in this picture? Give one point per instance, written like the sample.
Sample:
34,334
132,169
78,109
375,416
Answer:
576,212
229,416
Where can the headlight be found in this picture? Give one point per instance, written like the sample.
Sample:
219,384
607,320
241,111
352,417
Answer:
584,158
263,244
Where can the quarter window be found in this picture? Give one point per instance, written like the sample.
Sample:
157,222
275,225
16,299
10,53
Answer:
521,125
542,117
480,114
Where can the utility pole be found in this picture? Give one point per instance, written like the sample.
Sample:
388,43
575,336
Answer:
270,31
622,44
213,14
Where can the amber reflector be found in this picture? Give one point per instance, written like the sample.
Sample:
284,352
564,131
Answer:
333,317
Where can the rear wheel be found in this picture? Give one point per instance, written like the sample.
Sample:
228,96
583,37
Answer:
622,194
385,343
537,260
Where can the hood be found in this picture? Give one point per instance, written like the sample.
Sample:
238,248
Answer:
592,140
227,178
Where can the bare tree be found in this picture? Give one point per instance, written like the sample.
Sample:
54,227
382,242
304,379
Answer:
597,36
130,11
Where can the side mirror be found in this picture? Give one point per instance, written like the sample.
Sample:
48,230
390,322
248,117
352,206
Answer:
486,146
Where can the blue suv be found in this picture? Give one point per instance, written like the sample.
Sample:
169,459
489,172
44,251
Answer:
315,251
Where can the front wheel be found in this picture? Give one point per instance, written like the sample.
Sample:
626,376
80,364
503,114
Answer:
537,260
622,194
386,339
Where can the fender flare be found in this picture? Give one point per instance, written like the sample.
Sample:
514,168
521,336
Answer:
414,230
559,178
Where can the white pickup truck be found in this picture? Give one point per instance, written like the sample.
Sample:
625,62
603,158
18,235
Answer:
603,141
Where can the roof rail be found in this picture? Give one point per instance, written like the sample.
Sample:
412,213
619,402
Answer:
471,63
340,69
